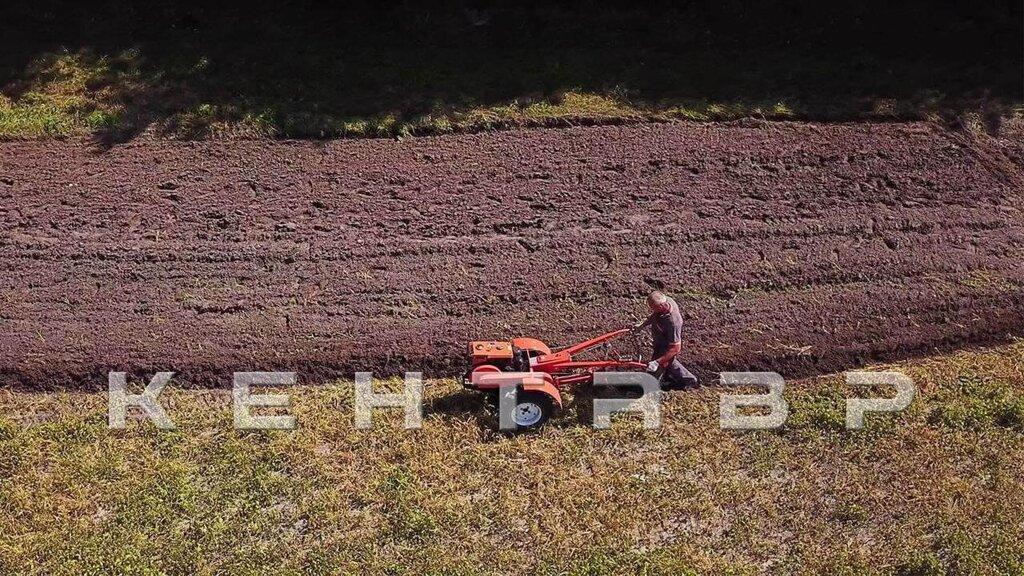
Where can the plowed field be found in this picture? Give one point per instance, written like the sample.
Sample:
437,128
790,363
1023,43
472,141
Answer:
797,247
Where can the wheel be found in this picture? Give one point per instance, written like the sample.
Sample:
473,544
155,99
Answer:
532,409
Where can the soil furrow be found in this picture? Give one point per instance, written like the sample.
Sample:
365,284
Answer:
796,247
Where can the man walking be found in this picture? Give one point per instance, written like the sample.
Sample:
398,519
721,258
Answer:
666,325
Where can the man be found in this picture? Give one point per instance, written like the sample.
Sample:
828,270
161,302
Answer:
666,330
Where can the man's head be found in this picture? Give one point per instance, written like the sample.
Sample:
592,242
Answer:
657,302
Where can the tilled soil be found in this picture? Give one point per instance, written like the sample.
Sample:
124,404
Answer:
796,247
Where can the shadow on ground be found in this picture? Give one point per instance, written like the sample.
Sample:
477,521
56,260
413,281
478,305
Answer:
305,69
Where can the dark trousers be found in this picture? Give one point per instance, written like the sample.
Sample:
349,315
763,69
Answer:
675,376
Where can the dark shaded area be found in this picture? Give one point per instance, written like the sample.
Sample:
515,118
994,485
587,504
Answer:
305,67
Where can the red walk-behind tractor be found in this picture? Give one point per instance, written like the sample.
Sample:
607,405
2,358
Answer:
539,373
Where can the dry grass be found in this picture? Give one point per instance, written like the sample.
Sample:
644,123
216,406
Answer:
935,490
70,93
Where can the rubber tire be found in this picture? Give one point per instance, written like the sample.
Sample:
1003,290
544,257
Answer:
542,400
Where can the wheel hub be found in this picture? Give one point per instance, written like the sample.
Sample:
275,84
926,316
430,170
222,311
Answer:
527,414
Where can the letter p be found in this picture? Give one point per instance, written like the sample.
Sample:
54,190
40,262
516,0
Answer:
857,407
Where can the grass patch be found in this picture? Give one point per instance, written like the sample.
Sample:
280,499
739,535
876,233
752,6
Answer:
977,402
455,497
64,93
